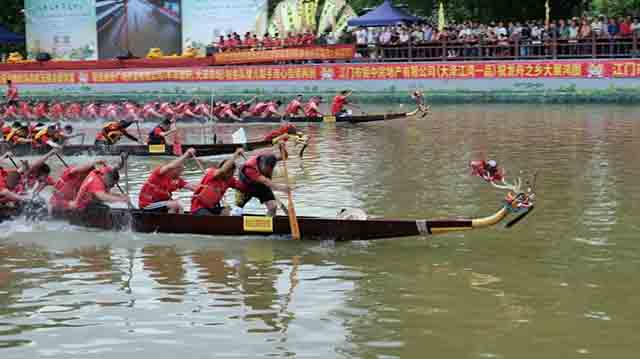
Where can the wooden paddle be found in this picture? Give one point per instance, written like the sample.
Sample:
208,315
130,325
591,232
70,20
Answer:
126,182
139,132
293,220
62,160
199,164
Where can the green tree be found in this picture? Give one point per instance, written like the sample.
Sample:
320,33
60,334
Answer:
485,11
616,7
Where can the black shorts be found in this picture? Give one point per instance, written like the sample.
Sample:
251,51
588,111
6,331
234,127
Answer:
12,103
215,211
256,190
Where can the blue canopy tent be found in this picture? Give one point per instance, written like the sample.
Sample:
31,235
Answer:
8,37
384,15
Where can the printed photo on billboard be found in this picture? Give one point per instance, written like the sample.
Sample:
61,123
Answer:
204,21
134,26
66,29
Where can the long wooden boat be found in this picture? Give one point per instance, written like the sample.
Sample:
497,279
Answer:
328,118
310,227
135,150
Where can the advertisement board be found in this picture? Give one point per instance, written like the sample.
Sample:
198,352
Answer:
134,26
204,21
66,29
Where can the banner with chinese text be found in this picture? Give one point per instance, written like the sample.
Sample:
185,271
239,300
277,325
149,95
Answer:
307,53
66,29
342,72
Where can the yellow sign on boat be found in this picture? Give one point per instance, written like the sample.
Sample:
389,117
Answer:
329,119
157,149
258,224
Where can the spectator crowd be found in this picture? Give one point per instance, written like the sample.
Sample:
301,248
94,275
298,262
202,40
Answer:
250,41
497,35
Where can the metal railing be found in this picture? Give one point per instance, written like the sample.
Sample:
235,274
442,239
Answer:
592,47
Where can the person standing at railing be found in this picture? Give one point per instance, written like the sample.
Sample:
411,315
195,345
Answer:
598,26
635,27
612,28
625,26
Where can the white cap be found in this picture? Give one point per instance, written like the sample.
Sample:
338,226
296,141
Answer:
492,163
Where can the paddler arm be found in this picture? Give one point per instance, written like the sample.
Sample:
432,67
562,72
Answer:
12,196
228,164
88,166
114,198
178,161
39,162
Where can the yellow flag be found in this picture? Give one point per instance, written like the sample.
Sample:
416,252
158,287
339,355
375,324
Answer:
441,17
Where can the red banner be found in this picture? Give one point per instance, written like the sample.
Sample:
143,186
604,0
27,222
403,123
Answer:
306,53
345,72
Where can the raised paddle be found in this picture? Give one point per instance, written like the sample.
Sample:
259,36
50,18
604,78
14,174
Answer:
199,163
126,181
139,132
62,160
293,220
8,155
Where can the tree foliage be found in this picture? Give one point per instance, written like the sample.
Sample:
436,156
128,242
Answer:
11,15
486,11
617,7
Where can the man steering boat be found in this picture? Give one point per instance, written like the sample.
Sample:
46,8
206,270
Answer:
112,132
340,103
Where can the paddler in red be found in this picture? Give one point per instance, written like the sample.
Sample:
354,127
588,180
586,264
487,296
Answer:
272,109
244,106
91,111
40,111
12,192
208,195
26,112
11,112
37,173
149,111
312,108
155,194
95,190
255,181
229,111
67,186
294,108
56,112
338,106
74,111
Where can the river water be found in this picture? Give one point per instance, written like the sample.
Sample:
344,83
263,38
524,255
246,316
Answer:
559,284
